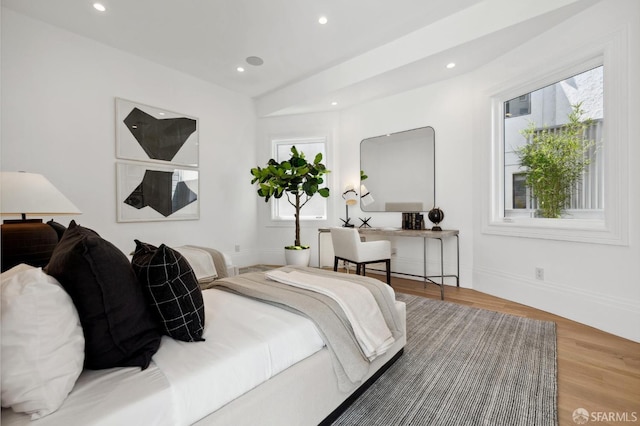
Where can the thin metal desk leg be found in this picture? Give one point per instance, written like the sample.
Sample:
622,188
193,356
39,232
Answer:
458,258
319,234
441,269
424,261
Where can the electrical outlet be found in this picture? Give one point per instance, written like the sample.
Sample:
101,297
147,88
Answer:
394,251
539,273
237,248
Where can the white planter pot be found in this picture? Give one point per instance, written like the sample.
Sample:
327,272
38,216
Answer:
297,257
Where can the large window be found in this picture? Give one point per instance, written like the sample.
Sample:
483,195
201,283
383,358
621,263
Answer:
535,103
539,124
316,207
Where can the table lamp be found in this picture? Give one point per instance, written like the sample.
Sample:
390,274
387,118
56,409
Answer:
29,240
350,198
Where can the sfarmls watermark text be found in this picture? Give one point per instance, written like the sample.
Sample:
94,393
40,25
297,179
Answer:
582,416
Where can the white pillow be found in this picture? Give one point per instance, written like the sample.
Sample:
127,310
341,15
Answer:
42,342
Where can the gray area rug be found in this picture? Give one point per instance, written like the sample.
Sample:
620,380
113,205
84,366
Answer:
464,366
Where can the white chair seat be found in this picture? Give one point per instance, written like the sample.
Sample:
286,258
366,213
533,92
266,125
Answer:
347,246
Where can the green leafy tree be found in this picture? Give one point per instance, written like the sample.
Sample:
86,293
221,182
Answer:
296,178
555,161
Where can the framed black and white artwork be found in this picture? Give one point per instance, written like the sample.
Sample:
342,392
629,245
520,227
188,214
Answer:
152,192
145,133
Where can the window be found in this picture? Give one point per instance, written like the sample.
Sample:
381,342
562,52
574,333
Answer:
599,211
316,208
544,114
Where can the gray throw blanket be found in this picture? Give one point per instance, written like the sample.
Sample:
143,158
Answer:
349,363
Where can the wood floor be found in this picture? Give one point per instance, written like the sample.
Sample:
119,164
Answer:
596,370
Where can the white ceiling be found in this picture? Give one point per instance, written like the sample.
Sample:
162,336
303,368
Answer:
352,58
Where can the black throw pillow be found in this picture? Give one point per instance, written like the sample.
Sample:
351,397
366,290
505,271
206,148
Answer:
172,290
119,330
58,227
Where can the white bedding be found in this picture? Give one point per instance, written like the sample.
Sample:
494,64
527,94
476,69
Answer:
237,355
181,386
109,397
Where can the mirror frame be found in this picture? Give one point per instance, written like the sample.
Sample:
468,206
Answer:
402,205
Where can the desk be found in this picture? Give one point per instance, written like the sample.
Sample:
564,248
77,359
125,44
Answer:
415,233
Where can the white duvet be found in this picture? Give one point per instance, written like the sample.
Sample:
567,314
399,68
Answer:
247,342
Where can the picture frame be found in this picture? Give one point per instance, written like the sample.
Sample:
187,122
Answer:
152,192
150,134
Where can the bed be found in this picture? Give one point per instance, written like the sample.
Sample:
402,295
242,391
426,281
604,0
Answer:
260,362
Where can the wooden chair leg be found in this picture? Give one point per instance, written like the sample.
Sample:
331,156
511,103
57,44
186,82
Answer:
358,267
388,263
364,272
335,263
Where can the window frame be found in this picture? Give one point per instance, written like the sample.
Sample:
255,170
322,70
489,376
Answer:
613,229
276,204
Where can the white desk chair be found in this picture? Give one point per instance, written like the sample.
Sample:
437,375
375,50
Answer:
347,246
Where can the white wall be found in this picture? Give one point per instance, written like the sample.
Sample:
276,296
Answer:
439,106
58,93
429,106
596,284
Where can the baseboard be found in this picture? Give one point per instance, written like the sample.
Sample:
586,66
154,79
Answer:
603,311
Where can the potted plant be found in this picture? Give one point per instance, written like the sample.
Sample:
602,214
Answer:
555,161
297,179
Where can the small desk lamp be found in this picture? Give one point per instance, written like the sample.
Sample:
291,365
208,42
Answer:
351,198
365,199
29,240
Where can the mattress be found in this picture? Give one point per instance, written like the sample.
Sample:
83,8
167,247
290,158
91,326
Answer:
247,342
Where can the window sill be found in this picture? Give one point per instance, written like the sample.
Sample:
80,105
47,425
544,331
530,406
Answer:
593,215
591,231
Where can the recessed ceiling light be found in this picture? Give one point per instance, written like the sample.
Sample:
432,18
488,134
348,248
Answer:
255,61
99,6
334,103
451,65
323,20
240,69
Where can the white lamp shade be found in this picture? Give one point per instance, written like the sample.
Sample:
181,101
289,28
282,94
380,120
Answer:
350,195
32,193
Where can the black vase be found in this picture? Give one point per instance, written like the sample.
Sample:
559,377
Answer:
436,216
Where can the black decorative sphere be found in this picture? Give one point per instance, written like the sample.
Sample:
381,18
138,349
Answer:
436,216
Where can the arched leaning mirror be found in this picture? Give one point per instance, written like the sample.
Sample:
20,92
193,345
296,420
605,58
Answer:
400,170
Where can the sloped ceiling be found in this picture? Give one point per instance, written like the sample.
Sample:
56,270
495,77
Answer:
366,50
